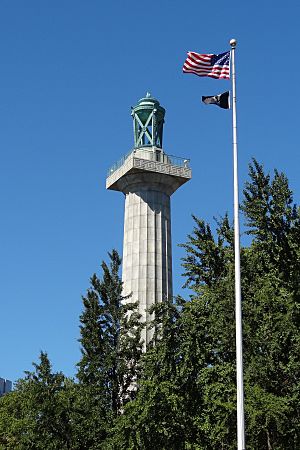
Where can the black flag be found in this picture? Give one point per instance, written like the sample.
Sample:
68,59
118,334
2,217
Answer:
221,100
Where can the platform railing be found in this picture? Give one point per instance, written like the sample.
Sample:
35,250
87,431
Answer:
155,154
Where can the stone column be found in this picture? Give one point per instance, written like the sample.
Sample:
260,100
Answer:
147,252
148,179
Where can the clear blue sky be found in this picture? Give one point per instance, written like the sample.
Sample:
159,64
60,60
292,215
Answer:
70,71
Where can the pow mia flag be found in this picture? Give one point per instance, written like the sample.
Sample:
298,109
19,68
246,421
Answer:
221,100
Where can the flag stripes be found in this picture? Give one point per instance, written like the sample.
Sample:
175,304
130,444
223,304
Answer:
208,65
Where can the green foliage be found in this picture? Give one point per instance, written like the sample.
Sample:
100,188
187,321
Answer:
274,221
207,259
154,419
111,350
181,394
49,411
36,414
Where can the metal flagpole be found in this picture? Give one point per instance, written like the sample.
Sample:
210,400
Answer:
237,264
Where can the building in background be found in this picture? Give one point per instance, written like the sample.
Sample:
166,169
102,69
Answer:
5,386
148,177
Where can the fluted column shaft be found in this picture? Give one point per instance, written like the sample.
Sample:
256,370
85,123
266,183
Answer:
147,252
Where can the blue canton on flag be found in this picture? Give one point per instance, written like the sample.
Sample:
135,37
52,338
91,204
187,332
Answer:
221,60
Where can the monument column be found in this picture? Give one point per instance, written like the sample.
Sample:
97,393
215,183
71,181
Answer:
148,177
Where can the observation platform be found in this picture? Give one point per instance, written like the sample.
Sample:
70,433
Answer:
149,160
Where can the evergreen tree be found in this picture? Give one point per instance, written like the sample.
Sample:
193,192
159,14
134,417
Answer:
271,312
47,411
111,349
36,414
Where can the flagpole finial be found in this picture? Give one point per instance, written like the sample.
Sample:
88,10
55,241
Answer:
232,42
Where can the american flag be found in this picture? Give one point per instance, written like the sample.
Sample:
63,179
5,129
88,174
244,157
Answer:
210,65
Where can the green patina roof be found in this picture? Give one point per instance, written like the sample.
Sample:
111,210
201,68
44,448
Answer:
148,99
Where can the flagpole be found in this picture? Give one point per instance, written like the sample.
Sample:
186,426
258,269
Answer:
237,264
